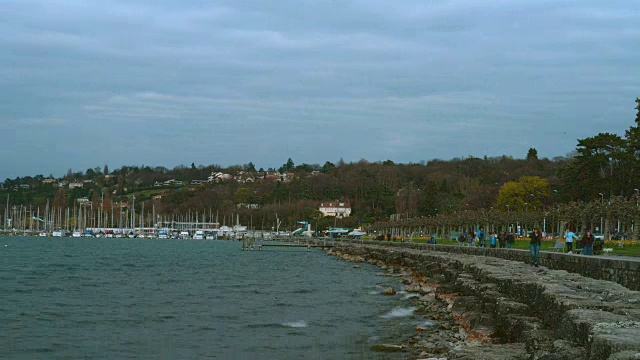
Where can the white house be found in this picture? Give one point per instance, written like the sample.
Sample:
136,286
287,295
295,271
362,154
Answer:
76,184
335,208
217,177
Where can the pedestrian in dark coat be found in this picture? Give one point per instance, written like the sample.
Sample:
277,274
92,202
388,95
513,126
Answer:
587,243
534,246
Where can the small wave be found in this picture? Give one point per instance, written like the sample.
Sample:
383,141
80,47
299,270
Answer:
399,312
296,324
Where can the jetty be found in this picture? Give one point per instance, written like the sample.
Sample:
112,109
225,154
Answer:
251,243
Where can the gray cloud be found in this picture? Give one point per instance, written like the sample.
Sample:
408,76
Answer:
167,83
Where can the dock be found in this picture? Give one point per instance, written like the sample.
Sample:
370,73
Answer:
300,242
295,245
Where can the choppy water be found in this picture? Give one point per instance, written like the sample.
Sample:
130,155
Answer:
181,299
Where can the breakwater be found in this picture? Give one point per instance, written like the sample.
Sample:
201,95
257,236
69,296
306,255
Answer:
525,312
619,270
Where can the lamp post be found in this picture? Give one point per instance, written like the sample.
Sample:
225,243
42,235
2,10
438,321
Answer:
634,222
601,201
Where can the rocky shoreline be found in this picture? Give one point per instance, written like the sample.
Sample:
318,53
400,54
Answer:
488,308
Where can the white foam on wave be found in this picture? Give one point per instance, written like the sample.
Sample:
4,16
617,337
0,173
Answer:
296,324
399,312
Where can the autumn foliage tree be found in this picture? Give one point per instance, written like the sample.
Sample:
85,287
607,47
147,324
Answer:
528,191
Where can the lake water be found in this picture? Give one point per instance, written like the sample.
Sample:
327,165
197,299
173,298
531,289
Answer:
183,299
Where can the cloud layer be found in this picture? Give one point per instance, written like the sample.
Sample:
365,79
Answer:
167,83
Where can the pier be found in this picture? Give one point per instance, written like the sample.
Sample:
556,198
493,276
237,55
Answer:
249,243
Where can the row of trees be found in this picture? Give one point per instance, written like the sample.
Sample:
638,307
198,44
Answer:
616,215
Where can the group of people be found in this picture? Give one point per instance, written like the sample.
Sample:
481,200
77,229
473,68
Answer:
588,242
506,239
479,238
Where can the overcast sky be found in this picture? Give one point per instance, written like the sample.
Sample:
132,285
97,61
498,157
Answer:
163,83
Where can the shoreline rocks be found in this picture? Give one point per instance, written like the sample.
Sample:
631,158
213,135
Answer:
477,307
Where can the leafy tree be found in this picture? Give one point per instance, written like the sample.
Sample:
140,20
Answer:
105,170
632,137
327,167
522,194
280,193
532,154
243,195
90,174
601,166
304,168
287,166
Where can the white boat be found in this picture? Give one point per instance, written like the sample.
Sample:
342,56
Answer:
199,235
163,234
76,234
184,235
337,232
56,233
356,233
42,233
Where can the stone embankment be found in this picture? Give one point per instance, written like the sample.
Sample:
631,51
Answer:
493,308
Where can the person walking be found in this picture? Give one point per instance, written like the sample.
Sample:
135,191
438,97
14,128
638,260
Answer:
502,239
510,239
569,236
534,246
587,243
492,240
462,239
482,238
